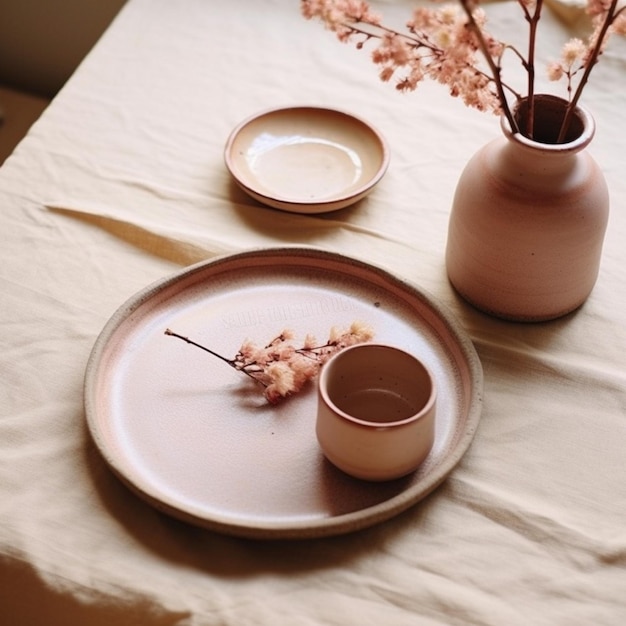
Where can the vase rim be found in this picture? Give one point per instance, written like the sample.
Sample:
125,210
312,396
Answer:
584,117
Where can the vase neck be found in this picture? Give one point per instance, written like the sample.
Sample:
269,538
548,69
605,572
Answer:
549,113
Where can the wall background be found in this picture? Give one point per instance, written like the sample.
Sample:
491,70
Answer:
43,41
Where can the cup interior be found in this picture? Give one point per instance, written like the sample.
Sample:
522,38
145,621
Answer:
376,384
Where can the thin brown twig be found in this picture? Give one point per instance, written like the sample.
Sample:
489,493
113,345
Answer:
495,69
591,62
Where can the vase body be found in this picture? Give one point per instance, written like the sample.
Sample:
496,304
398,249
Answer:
527,224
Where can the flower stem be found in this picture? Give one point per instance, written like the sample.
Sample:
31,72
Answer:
244,369
533,21
611,14
193,343
495,70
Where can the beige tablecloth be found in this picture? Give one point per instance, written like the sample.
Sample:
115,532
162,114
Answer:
122,182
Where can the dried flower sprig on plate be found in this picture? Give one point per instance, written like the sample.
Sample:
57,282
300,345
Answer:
449,43
281,368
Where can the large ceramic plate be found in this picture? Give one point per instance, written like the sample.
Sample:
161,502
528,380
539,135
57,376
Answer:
306,159
196,439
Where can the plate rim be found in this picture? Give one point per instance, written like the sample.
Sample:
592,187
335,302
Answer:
302,206
295,529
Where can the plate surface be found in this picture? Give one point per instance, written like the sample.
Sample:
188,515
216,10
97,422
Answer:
306,159
197,439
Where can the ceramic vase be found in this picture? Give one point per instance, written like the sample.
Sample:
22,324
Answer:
528,219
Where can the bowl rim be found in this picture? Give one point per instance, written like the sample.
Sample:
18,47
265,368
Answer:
277,200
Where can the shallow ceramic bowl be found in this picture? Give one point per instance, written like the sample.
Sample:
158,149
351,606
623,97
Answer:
306,159
376,411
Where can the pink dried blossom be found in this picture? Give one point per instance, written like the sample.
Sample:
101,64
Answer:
573,51
436,45
598,7
555,71
451,45
334,13
282,380
579,58
280,367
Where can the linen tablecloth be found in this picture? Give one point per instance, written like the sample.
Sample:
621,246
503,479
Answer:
122,182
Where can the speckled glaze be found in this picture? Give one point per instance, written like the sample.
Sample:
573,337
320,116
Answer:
196,440
528,222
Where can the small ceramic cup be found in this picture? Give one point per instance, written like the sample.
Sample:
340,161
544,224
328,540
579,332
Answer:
376,411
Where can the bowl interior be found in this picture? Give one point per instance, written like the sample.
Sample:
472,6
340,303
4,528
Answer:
306,155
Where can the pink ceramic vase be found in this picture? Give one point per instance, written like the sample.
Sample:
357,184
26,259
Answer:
528,220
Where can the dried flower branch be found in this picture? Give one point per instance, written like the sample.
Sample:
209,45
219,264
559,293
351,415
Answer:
450,44
607,19
280,367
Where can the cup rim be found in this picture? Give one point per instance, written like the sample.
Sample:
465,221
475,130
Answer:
424,410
